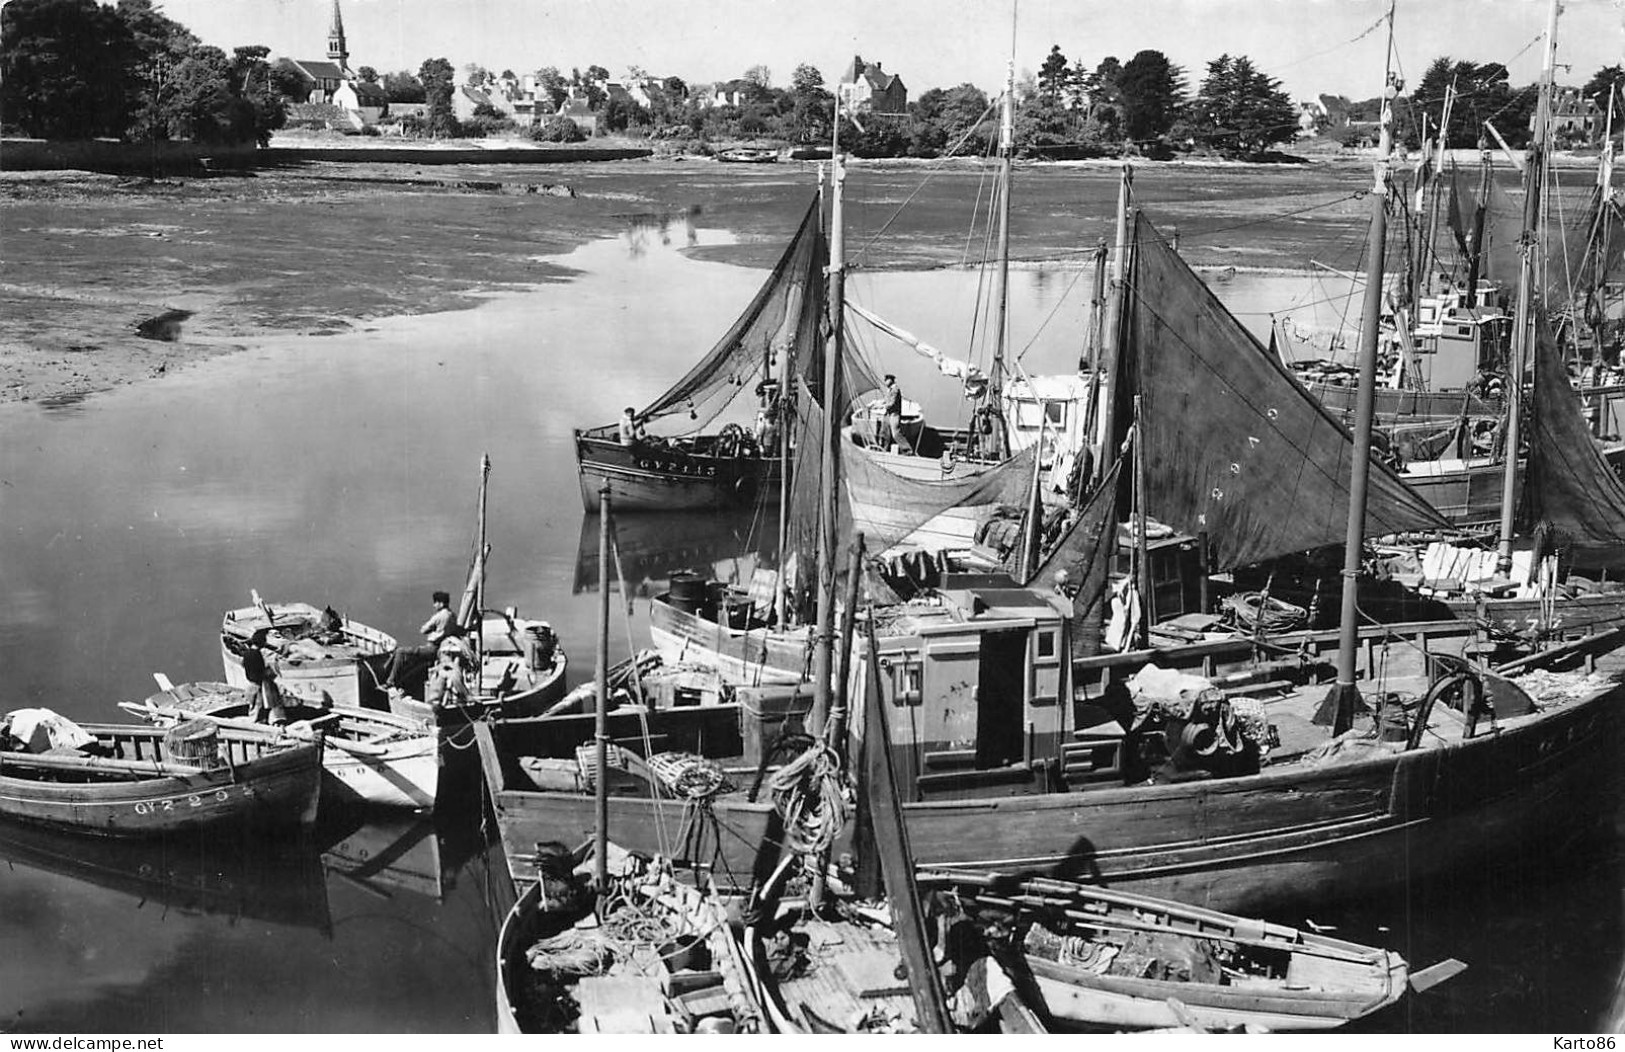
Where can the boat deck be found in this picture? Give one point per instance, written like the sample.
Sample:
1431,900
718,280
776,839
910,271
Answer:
851,982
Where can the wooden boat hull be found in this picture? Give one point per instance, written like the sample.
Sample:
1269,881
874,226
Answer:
1292,834
1142,1004
753,656
511,956
1600,610
262,785
346,676
393,761
743,840
650,478
1466,492
531,702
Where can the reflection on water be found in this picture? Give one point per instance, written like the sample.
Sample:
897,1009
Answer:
339,471
648,548
279,881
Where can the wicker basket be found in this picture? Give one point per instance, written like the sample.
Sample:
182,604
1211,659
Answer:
195,743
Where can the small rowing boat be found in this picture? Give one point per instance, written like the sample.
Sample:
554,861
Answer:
1107,958
322,657
371,757
657,957
149,781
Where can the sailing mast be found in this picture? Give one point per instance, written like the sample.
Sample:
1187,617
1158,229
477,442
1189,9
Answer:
829,479
1343,701
600,718
473,600
1534,170
1001,286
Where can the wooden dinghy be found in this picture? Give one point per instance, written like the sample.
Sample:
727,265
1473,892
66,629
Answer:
325,661
371,757
843,971
521,673
1106,958
658,956
129,782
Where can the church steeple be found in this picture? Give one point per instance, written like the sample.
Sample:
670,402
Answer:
336,49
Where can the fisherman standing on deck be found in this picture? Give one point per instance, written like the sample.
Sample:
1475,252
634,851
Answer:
408,659
891,426
631,430
261,675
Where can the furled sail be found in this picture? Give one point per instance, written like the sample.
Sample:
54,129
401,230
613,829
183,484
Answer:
785,317
1234,446
1573,498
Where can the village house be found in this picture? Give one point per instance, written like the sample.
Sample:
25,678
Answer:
1576,120
575,107
866,88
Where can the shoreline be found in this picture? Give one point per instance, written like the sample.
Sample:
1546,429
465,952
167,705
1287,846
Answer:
323,248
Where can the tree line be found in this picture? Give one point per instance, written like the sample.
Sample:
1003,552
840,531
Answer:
76,69
80,69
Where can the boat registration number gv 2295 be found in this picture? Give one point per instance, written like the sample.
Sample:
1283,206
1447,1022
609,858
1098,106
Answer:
181,803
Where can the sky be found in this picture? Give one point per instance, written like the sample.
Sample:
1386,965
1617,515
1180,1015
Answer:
1310,46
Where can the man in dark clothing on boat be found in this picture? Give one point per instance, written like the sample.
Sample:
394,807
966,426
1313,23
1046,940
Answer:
408,661
261,675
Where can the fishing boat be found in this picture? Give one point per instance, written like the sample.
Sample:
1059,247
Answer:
371,757
657,957
691,448
747,155
1105,958
146,781
1004,771
603,941
517,667
322,657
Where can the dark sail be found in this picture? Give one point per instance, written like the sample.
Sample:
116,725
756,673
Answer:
1080,563
786,316
1233,443
1574,499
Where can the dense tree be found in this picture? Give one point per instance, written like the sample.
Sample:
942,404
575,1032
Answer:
367,75
1077,86
439,80
1153,90
290,84
812,106
1603,83
551,81
476,75
675,88
558,129
65,68
201,107
1240,110
261,104
1482,94
1053,76
402,86
1105,97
